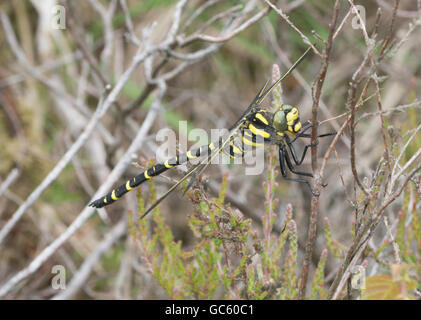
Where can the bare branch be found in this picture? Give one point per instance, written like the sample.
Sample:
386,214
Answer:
80,277
225,37
83,137
315,199
286,18
13,175
129,23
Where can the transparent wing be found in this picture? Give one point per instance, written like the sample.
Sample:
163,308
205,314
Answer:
198,169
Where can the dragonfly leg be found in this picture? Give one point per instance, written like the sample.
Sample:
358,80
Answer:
291,166
306,126
282,159
307,135
294,153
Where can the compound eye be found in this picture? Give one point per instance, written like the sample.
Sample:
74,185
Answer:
287,108
279,121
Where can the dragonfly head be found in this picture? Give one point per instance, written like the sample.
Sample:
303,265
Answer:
287,118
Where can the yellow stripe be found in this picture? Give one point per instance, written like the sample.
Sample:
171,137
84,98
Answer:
146,174
211,146
297,127
190,156
113,196
105,199
290,129
259,132
235,149
128,185
280,134
262,118
292,115
251,143
167,165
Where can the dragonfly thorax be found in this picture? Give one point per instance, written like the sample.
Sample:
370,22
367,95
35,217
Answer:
287,118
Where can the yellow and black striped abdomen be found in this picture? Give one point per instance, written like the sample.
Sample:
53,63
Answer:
256,130
149,173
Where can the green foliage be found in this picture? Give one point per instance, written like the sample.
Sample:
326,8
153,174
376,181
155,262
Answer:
290,265
317,289
408,236
228,259
336,248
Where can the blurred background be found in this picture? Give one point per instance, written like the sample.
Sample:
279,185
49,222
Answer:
86,85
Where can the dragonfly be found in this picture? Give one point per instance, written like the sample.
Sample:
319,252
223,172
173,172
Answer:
255,127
